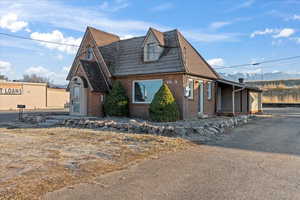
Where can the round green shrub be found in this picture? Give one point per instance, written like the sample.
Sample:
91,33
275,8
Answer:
163,107
116,102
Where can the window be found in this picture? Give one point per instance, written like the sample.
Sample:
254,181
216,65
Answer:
151,51
144,90
189,90
89,55
209,90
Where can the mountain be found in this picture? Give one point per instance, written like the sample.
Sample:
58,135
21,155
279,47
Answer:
260,76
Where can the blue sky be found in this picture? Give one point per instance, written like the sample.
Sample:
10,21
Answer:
224,32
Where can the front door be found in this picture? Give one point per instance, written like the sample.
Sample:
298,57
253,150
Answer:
201,98
76,100
78,97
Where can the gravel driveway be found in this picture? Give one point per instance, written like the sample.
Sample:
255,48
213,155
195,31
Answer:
259,160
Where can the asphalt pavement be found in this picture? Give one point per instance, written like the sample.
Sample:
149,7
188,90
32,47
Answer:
259,160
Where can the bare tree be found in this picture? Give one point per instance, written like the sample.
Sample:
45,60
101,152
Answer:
34,78
3,77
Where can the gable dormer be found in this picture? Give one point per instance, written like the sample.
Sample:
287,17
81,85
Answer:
153,45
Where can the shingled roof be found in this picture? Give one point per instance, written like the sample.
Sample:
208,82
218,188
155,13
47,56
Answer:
125,57
103,38
94,76
159,36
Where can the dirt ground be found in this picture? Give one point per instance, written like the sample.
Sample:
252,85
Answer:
37,161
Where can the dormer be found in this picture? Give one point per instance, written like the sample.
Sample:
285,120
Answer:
153,45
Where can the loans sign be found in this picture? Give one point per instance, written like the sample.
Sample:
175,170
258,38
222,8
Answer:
10,89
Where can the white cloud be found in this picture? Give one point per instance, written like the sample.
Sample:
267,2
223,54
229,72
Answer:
276,33
60,57
124,37
62,15
66,69
296,39
220,24
10,21
113,6
163,7
39,70
286,32
55,77
296,17
245,4
199,36
57,36
264,32
5,67
216,62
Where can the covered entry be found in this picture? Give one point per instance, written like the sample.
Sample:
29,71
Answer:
234,98
78,96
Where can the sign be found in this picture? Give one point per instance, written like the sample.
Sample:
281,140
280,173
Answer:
10,89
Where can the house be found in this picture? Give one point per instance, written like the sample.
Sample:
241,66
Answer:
142,65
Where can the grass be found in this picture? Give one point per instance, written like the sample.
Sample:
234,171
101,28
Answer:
37,161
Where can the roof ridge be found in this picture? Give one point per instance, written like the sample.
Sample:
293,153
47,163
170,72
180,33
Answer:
90,27
179,34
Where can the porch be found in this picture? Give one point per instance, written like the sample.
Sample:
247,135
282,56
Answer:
236,98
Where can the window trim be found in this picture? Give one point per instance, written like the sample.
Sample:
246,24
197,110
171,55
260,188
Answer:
133,89
209,90
192,89
152,44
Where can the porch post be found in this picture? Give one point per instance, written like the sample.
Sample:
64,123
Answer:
233,103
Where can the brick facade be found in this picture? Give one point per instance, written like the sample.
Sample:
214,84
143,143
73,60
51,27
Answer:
177,82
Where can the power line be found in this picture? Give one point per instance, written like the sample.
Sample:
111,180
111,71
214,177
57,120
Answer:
45,41
257,63
217,66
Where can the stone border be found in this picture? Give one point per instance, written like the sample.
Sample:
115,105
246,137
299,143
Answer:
195,130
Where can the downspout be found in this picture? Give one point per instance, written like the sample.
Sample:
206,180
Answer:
233,98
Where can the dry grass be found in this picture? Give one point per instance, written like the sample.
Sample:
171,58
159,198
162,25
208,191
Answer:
36,161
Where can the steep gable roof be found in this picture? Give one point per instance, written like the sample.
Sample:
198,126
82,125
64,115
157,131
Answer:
102,38
94,76
157,34
194,63
126,57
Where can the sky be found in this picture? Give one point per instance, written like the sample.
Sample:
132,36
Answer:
225,33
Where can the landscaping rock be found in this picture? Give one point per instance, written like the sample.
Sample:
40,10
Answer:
194,129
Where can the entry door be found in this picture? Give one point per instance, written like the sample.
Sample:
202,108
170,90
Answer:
201,97
76,100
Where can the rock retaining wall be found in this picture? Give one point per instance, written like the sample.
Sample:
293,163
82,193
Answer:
198,130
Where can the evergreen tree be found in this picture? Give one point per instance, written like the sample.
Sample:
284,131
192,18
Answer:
163,107
116,102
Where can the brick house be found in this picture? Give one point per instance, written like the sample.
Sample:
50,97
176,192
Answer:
143,64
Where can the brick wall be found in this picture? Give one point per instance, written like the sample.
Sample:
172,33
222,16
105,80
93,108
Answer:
174,81
95,104
191,106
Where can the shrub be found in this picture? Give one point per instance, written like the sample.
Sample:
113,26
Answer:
116,102
163,107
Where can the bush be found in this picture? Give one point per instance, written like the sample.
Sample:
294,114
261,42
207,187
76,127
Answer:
116,102
163,107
